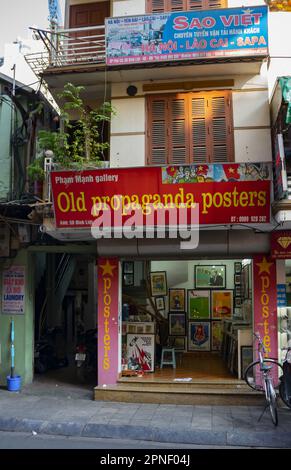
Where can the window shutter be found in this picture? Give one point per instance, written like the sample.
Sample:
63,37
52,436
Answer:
220,128
177,5
160,6
156,6
194,5
178,146
198,136
157,130
216,4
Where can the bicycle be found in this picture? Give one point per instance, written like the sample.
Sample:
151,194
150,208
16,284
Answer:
263,375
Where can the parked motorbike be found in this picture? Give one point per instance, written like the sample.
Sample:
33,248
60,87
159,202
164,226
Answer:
86,357
285,380
45,354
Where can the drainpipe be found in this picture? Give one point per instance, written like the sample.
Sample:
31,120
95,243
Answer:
13,117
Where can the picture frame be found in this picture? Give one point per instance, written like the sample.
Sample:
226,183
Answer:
141,327
177,300
246,357
128,279
198,304
221,304
237,279
245,281
237,302
237,267
158,283
141,350
128,267
179,343
177,324
209,276
216,335
160,303
198,336
238,291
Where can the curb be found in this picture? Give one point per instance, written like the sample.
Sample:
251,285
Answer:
272,439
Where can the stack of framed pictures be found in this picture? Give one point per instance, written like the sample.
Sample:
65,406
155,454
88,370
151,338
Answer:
238,294
206,309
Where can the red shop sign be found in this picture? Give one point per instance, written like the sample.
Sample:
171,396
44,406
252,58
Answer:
226,194
281,244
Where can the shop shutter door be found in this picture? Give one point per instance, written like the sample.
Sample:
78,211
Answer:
157,130
220,127
199,136
178,145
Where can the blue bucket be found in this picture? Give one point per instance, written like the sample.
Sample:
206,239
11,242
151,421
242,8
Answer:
14,383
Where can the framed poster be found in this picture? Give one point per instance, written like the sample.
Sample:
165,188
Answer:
158,283
128,267
222,304
128,279
210,277
245,281
160,303
177,324
237,279
141,351
237,302
177,300
216,335
198,336
198,304
246,357
179,343
237,267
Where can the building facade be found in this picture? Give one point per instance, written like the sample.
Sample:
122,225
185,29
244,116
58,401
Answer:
190,83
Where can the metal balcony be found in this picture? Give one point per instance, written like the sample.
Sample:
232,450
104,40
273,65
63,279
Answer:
69,48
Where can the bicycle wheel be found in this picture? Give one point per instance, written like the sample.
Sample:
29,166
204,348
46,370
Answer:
283,395
254,377
272,400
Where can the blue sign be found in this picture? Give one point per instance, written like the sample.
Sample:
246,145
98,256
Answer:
281,295
232,32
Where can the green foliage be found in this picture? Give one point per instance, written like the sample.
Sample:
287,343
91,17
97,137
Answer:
77,146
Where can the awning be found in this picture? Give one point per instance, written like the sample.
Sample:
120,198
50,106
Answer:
285,83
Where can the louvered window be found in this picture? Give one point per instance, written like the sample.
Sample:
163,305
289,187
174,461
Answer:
189,128
160,6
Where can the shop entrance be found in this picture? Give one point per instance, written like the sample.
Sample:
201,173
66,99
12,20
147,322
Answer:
65,319
185,320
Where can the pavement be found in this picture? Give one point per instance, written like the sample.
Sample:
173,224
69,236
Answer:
49,408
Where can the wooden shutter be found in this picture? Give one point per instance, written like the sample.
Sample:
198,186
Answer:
198,136
190,127
160,6
178,135
157,139
219,115
156,6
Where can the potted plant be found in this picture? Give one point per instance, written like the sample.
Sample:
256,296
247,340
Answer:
74,146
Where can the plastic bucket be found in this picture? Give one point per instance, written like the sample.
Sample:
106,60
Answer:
14,383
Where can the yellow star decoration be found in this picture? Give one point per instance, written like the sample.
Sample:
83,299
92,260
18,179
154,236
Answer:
107,268
231,170
264,266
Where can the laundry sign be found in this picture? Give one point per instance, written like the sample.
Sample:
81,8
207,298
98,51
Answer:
13,290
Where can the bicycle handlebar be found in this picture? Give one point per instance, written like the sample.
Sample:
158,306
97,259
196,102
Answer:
261,344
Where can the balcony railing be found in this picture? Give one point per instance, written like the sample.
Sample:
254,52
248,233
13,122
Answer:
67,47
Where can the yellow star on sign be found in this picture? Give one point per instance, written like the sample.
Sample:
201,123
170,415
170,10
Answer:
264,266
107,268
231,170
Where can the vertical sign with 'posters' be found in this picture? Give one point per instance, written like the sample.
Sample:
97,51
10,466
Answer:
265,303
107,320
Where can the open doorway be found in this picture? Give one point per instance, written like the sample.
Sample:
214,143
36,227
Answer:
65,319
200,309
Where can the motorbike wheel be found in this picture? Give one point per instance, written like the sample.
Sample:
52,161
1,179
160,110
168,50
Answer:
283,396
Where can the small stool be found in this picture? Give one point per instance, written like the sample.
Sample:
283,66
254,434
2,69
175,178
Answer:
171,361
